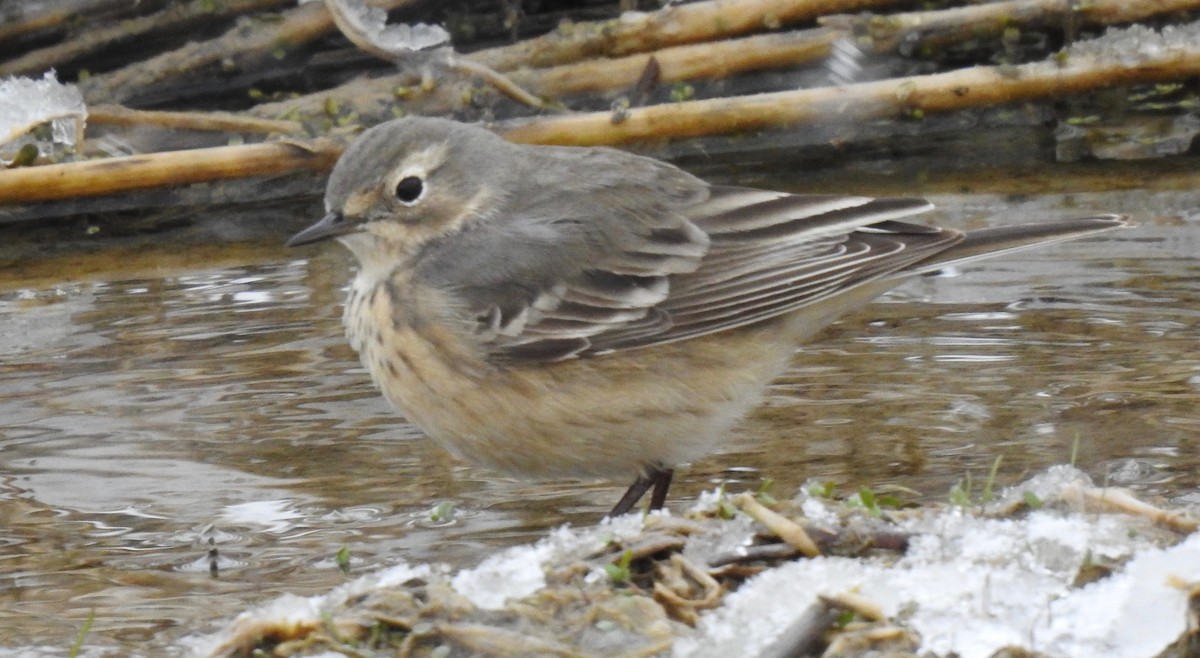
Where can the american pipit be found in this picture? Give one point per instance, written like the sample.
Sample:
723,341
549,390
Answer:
585,312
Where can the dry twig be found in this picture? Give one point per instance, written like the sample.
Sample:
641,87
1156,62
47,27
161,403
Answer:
856,603
138,172
786,529
1113,499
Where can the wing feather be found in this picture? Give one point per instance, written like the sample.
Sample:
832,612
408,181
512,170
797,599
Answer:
628,273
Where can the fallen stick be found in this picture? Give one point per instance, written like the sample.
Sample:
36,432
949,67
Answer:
1136,55
136,172
909,31
636,32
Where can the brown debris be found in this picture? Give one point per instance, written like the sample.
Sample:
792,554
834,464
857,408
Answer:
684,588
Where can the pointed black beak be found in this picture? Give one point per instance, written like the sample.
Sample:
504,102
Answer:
330,226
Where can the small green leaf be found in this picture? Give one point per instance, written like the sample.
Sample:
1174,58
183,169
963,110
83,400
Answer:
887,501
25,156
682,92
866,497
869,501
619,573
822,490
616,575
83,631
959,495
764,492
342,558
725,509
986,496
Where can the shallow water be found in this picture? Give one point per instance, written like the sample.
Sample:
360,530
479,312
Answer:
176,413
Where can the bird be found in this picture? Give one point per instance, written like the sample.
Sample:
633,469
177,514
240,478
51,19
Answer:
586,312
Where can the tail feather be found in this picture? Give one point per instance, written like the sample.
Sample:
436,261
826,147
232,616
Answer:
988,242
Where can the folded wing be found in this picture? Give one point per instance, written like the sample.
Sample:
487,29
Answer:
587,285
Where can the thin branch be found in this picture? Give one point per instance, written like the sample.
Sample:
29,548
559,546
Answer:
501,82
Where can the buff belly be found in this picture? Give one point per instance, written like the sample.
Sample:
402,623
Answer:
604,416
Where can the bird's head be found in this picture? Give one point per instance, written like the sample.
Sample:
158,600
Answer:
404,183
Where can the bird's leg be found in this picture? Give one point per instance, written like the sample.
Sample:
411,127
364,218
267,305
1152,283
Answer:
662,482
659,478
633,494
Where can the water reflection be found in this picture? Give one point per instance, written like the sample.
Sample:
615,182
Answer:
151,420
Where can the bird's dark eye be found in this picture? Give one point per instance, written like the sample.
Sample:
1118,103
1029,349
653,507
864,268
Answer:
409,189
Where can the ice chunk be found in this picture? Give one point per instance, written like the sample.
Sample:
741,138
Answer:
970,585
1137,44
1135,614
513,574
27,103
359,21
